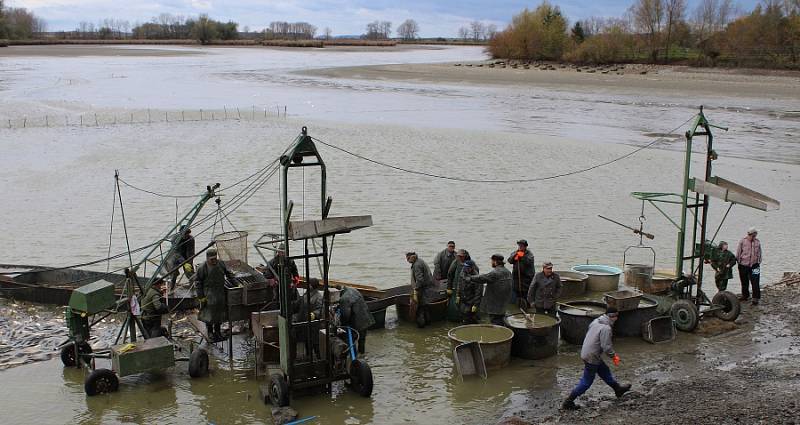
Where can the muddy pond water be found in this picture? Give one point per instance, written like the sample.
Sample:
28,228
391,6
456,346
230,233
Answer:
57,183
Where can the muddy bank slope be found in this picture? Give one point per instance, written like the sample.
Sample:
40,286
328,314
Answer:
744,376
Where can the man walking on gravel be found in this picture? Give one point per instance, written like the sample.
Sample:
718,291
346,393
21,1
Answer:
597,343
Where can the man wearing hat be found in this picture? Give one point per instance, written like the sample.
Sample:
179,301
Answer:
469,293
275,266
498,290
422,287
723,263
748,254
184,251
545,290
597,343
152,309
455,280
522,273
210,279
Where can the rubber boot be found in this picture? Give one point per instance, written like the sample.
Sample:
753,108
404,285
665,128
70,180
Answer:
569,404
621,389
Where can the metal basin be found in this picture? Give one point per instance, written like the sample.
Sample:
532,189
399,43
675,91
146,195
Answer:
495,342
536,338
601,278
437,311
575,321
573,284
630,322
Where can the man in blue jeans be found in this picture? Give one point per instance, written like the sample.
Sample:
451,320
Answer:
597,343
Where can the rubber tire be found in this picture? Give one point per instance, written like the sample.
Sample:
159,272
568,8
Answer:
101,381
361,378
278,390
732,304
198,363
68,353
685,315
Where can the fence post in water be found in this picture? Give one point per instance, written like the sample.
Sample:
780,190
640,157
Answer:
226,111
95,119
46,121
254,112
66,120
81,120
201,115
284,111
9,124
24,122
278,108
183,117
265,112
238,114
148,115
131,117
166,117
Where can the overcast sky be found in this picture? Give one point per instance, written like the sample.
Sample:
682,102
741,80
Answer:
435,17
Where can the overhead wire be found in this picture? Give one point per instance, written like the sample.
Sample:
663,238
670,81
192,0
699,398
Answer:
525,180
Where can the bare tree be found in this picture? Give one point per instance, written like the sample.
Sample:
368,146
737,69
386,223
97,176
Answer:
477,30
463,33
378,30
328,32
648,17
674,10
408,30
491,31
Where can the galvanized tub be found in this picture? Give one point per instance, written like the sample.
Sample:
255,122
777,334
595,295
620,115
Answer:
630,322
576,317
638,276
495,342
601,278
536,338
437,311
573,284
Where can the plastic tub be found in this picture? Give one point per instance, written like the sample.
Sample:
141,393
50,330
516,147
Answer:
495,342
536,338
573,284
601,278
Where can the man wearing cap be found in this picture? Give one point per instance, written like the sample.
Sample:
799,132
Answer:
723,263
210,279
152,309
545,290
498,290
275,266
455,281
441,264
522,273
469,293
184,251
355,314
422,287
596,343
748,254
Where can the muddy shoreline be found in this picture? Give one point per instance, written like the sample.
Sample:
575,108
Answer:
753,380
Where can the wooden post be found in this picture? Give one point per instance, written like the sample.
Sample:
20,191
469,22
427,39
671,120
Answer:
238,114
284,111
148,115
201,115
226,111
183,117
95,119
46,121
81,120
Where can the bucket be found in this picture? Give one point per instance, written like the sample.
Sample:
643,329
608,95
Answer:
495,342
601,278
576,317
536,338
573,284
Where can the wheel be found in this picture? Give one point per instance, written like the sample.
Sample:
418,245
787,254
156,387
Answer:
361,378
730,303
198,363
101,381
68,353
278,390
685,315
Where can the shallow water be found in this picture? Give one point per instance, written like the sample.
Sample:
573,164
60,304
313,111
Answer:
58,182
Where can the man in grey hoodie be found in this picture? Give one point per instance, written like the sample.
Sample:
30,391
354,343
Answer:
597,343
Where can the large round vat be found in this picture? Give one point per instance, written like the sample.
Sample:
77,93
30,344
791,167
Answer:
437,311
495,342
535,336
573,284
630,322
576,317
601,278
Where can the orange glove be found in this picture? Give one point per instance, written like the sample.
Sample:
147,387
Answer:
296,280
519,255
616,359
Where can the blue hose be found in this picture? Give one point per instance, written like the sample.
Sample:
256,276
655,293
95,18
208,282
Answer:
350,341
301,421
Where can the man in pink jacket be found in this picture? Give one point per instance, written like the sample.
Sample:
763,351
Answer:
748,255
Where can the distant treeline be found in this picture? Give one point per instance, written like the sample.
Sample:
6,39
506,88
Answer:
16,23
660,31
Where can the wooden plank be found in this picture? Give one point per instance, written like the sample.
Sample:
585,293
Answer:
307,229
727,195
772,203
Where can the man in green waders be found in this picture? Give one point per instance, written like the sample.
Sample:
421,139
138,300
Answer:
422,288
723,264
455,277
210,279
152,309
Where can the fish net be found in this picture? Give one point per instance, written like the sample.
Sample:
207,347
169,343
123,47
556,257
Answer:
232,246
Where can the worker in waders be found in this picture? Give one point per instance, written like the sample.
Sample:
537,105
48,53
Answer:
355,313
723,263
469,294
455,278
545,290
312,309
497,292
748,255
274,269
210,279
597,343
152,308
522,273
422,288
443,260
184,251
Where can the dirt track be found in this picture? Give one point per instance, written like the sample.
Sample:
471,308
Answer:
746,376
